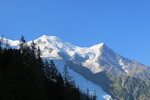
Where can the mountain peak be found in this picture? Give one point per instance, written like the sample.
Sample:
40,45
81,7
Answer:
49,37
98,46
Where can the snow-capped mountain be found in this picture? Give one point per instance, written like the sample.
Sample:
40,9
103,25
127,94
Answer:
12,43
88,62
97,58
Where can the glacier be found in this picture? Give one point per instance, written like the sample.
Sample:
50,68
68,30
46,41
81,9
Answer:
83,83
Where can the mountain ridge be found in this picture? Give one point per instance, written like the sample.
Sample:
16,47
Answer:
97,58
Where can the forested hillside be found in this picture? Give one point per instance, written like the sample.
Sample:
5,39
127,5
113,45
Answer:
25,76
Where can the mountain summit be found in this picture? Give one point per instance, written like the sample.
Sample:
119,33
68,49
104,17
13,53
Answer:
96,58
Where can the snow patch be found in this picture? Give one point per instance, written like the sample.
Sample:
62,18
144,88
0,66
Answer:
123,66
107,97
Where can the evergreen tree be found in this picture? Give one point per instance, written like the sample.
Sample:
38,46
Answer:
60,87
7,46
67,78
46,69
1,43
38,56
33,48
39,53
53,70
87,95
22,44
94,97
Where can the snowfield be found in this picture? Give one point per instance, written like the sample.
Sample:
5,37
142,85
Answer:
82,83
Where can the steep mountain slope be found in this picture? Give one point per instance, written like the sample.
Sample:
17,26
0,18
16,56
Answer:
84,83
96,63
97,58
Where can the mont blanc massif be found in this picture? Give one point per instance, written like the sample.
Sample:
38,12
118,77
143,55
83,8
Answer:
98,69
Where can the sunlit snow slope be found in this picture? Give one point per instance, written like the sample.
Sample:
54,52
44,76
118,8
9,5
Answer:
83,83
96,58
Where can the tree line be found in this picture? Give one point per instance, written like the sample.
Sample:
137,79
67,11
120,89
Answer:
24,75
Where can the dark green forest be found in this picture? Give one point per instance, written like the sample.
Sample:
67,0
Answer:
25,76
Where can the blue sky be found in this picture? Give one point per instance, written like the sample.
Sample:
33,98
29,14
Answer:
124,25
